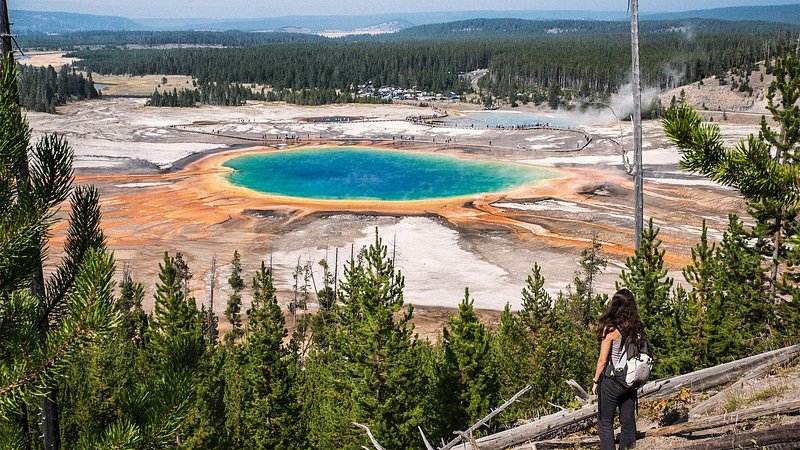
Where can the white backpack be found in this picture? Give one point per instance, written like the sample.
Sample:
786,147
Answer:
634,366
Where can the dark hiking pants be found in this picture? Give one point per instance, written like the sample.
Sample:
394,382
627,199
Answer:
613,396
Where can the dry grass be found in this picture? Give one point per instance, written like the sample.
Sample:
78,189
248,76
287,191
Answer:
142,86
44,59
738,401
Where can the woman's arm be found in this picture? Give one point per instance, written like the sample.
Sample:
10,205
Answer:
602,360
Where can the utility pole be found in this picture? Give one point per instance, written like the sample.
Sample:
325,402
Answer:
637,124
210,313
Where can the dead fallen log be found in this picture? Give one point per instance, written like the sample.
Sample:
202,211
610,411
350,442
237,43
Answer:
370,435
756,440
713,376
537,429
461,435
736,417
554,444
781,434
581,395
486,419
696,381
756,373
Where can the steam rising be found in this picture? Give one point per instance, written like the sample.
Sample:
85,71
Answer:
620,102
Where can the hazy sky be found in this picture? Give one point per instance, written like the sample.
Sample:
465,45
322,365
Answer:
270,8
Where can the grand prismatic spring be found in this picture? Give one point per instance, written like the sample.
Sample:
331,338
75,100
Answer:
357,173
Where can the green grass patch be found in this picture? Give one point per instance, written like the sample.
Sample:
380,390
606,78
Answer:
734,402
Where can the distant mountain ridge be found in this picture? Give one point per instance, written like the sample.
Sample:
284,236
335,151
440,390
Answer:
391,26
28,22
521,28
771,13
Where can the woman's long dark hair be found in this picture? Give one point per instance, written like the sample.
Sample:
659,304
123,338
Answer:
623,315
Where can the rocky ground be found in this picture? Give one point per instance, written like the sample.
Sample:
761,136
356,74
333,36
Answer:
724,100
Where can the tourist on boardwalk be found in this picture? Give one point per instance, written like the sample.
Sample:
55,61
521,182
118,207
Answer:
619,325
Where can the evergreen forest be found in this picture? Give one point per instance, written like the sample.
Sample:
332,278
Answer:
558,62
526,60
227,94
81,353
42,89
80,40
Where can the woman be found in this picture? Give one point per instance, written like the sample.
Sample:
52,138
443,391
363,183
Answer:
620,324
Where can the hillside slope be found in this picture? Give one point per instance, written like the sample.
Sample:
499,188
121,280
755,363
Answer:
770,13
734,93
27,22
62,22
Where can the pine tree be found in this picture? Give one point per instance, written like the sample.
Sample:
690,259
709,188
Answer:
44,323
647,278
375,379
92,395
154,405
234,310
536,302
174,315
272,410
467,352
565,350
682,324
134,319
183,273
263,409
742,294
512,352
325,406
174,344
584,305
701,276
789,325
236,396
119,395
763,168
322,325
210,326
204,425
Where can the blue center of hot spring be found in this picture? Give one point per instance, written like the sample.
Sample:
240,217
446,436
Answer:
342,173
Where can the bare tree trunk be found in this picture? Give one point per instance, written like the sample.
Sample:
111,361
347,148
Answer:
486,419
776,437
211,336
5,30
24,424
737,417
50,431
755,373
762,439
776,253
580,394
637,124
